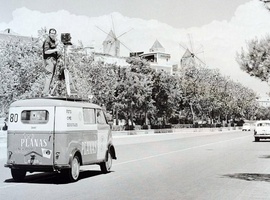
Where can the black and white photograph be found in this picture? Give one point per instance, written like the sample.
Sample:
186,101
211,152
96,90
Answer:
134,100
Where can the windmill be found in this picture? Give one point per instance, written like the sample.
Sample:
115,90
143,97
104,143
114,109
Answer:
190,56
111,45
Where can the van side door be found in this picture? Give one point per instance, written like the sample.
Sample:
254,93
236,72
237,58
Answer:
89,139
103,134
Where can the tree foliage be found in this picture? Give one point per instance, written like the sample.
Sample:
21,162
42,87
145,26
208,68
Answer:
21,67
256,59
135,92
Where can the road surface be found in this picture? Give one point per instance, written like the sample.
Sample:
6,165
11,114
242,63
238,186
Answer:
210,166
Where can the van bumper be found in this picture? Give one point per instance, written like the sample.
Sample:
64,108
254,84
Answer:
262,135
38,168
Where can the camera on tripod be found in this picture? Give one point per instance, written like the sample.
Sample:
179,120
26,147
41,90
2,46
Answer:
66,38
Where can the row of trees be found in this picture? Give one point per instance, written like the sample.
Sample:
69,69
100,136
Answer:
135,93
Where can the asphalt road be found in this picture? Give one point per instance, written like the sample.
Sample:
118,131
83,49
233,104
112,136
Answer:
221,165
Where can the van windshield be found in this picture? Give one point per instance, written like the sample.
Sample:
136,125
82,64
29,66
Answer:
35,116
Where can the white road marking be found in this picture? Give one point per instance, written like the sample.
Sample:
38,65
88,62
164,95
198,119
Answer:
171,152
149,157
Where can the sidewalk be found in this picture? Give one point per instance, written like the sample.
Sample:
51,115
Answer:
180,130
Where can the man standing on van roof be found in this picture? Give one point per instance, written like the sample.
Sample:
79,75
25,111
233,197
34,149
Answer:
50,55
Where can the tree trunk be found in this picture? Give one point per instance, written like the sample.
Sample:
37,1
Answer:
192,112
145,118
131,117
116,117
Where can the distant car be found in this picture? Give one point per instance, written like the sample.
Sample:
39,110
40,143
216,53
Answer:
246,127
262,130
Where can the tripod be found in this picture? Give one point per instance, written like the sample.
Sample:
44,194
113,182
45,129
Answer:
70,87
71,90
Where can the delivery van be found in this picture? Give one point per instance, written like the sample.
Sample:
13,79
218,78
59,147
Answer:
57,134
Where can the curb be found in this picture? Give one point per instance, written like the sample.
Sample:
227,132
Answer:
164,131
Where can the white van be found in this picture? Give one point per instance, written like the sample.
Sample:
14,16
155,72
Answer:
262,130
57,134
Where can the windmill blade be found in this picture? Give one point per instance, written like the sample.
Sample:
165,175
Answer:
199,59
125,46
102,30
199,49
199,52
113,25
184,47
124,33
112,41
106,33
191,42
190,55
187,54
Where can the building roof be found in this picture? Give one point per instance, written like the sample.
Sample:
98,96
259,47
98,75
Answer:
8,31
8,34
110,36
157,47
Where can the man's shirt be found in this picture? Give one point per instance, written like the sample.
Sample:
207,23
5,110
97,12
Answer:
48,45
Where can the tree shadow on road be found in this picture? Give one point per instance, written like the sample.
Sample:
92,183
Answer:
53,178
265,156
249,176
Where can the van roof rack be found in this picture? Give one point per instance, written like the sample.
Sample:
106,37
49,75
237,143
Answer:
65,98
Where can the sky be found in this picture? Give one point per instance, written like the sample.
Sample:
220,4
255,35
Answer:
177,13
221,28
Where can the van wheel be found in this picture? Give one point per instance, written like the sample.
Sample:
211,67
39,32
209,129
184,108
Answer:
73,173
17,174
107,164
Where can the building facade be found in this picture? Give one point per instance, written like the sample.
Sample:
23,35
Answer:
158,58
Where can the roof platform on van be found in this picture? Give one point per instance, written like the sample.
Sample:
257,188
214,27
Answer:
53,101
63,98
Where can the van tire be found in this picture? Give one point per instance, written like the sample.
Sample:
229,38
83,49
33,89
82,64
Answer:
106,166
17,174
73,173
